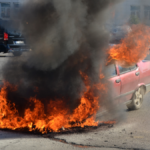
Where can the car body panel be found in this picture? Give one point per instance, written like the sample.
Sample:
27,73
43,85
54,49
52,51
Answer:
129,82
144,72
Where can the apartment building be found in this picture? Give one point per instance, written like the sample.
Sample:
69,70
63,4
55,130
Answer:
8,8
124,10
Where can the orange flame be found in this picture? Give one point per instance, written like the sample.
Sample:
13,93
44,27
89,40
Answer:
133,48
58,117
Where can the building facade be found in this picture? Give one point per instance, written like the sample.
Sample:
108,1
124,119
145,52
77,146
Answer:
127,9
8,8
122,12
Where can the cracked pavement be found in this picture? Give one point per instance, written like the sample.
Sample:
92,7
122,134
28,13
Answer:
131,133
16,141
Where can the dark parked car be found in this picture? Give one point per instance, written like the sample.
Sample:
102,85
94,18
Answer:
13,42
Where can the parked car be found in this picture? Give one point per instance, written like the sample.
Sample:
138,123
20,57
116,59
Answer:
14,40
130,84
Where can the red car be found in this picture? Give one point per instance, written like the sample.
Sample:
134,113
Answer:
130,84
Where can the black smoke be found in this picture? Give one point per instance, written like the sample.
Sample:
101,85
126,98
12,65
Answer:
67,36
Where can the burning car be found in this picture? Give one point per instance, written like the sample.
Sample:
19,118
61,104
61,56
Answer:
130,83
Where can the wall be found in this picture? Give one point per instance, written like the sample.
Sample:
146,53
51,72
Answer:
123,12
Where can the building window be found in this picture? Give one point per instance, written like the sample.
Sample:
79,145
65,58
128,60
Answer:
16,8
16,5
5,10
135,11
147,12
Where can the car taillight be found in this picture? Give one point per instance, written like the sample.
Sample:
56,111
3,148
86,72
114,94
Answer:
5,36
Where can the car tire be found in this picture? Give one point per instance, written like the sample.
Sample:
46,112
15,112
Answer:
17,53
137,99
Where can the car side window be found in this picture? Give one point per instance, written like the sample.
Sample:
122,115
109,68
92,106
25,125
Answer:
123,70
111,70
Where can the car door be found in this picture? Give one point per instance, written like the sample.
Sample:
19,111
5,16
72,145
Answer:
129,80
114,81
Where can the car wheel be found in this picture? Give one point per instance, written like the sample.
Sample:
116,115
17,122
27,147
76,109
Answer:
137,99
17,53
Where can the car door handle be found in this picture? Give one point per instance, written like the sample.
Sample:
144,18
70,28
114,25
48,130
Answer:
118,81
137,73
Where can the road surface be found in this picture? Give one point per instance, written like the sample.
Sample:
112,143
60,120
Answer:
132,132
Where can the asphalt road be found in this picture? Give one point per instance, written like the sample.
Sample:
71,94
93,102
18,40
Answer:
131,132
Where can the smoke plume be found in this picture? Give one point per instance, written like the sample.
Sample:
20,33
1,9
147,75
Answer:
67,37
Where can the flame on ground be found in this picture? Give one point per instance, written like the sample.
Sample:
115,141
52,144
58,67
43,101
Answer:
133,48
58,117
